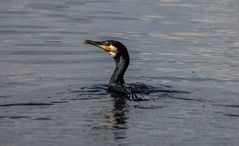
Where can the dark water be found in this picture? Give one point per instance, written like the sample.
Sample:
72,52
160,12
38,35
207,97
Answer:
52,85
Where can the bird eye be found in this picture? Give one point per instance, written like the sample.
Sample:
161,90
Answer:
106,43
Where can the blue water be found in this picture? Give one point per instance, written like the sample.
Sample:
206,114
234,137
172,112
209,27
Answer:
52,85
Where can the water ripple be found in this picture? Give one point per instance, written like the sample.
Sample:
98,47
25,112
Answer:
26,104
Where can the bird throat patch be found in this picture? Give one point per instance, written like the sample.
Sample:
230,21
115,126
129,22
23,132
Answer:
111,50
107,48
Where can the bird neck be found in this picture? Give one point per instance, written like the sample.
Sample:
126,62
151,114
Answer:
121,64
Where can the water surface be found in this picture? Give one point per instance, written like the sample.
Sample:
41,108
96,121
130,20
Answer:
52,85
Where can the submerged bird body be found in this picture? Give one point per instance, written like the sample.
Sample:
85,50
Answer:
117,85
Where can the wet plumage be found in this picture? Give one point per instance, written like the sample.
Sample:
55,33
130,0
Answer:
117,85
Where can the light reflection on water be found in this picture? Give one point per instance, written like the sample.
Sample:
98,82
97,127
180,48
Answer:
188,45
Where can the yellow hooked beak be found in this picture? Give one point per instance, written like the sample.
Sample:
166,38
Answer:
103,45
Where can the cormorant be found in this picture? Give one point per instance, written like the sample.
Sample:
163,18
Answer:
117,85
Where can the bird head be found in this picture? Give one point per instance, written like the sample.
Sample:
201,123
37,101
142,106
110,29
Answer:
113,48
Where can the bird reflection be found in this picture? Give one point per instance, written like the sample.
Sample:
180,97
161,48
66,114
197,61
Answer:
118,116
119,111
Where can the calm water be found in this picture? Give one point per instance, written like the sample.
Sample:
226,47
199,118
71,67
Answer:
51,83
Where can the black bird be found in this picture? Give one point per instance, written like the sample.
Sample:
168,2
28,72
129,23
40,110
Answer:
117,85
